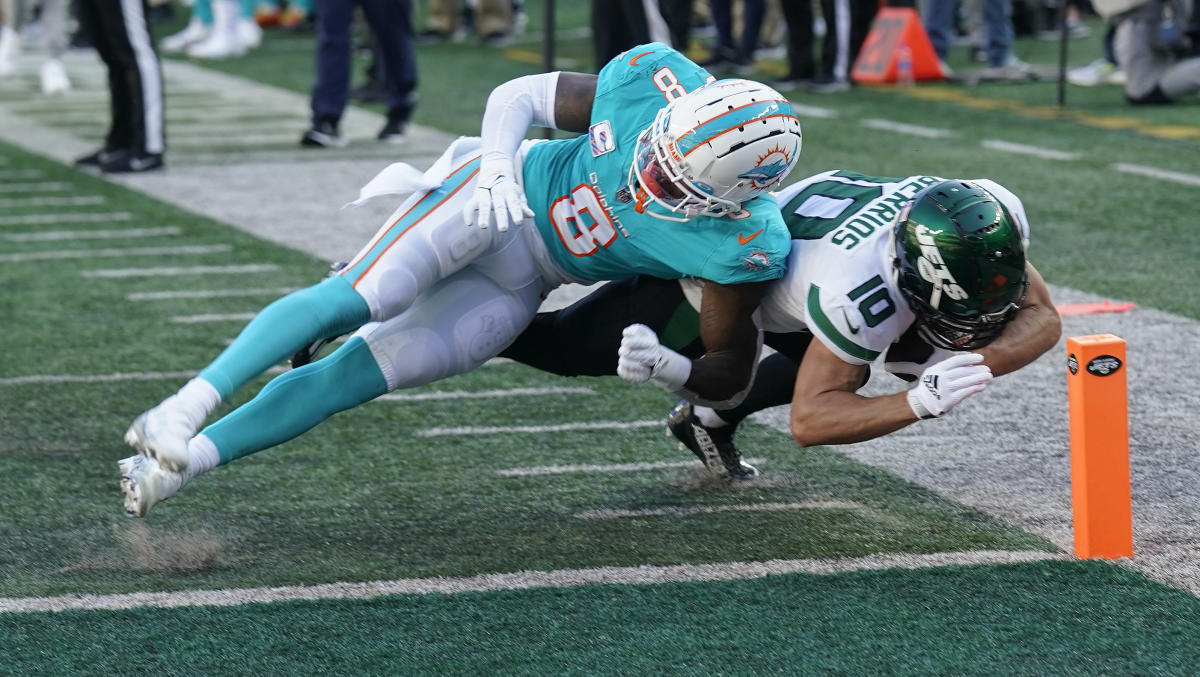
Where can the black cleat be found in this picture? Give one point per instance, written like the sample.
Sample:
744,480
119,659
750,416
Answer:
713,446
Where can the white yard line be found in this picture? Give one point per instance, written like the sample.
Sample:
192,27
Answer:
10,174
212,317
174,272
63,217
96,378
131,233
69,201
813,111
564,427
204,294
905,128
681,511
1156,173
33,186
193,250
1035,151
537,470
524,580
479,394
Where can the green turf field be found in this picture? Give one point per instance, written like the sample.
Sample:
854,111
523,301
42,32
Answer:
399,492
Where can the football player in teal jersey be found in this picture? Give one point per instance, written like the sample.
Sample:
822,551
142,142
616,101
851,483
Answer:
924,277
666,179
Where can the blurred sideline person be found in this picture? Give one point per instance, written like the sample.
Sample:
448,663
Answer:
1152,46
669,180
925,277
136,139
391,23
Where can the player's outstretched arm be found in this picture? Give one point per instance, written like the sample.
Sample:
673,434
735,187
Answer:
1033,330
547,100
827,410
722,375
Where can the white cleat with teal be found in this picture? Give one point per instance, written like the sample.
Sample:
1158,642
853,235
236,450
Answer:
162,434
145,483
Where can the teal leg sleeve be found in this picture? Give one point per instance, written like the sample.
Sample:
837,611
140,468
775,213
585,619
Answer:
203,11
298,400
330,308
246,8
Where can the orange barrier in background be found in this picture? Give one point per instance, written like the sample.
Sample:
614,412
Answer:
896,49
1099,406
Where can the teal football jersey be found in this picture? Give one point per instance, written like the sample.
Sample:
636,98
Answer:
591,222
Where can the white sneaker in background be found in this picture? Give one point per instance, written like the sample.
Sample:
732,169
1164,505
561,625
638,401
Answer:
10,47
249,33
54,77
218,45
192,33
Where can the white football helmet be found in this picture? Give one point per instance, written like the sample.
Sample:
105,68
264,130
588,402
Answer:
709,151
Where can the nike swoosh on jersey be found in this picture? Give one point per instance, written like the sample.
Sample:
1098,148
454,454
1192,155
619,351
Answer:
634,60
742,239
849,325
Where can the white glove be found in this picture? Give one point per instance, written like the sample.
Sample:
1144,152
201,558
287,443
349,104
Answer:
945,384
496,192
642,358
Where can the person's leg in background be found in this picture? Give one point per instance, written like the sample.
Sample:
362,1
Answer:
10,40
54,29
798,15
198,28
137,138
391,22
332,61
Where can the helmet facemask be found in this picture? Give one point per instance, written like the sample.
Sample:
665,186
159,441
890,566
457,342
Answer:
960,264
710,151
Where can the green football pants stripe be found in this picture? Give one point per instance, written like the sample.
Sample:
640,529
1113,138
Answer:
296,401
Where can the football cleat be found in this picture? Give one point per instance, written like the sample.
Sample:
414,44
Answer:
144,483
713,446
162,434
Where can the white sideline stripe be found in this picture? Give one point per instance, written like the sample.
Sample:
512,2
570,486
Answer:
1022,149
33,187
610,467
62,217
191,270
92,234
69,201
113,253
97,378
466,395
242,141
710,509
524,580
7,174
495,430
212,317
904,128
204,294
813,111
1156,173
108,378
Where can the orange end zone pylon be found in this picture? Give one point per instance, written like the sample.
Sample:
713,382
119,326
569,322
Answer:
894,30
1099,406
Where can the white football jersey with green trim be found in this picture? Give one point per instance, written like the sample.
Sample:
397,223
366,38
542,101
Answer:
840,283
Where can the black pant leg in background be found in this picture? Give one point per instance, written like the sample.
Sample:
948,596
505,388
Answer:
391,22
617,25
798,15
121,35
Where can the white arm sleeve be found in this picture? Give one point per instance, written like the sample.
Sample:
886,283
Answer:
512,108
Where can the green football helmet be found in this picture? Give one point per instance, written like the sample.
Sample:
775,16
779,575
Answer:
960,261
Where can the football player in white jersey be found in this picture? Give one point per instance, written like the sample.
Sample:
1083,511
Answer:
429,297
924,277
